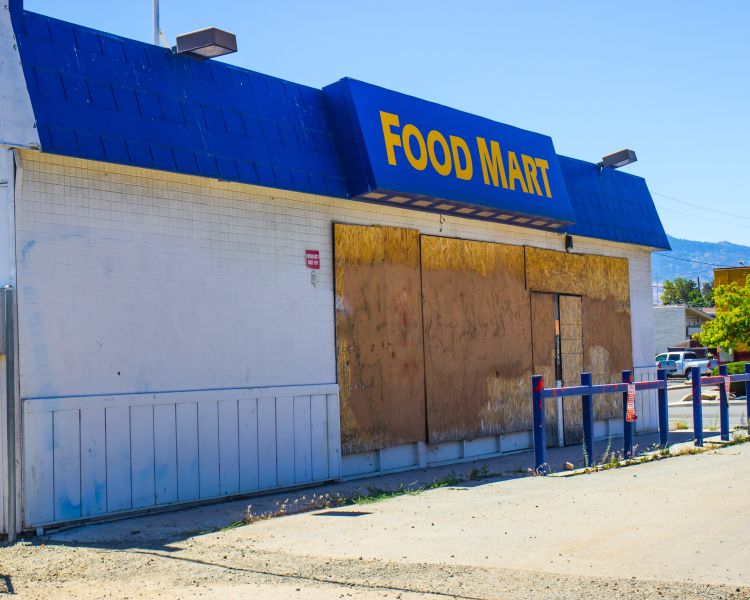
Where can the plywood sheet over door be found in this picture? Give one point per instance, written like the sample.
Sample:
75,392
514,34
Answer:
380,357
571,346
543,354
604,284
477,339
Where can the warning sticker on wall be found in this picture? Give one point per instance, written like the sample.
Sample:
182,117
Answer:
630,415
312,259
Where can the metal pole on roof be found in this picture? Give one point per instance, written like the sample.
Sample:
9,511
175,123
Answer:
156,23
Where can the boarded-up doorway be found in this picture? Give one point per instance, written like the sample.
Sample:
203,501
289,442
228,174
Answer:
477,339
558,356
545,354
571,355
379,346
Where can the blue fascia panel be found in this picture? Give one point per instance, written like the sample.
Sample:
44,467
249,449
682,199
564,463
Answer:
612,205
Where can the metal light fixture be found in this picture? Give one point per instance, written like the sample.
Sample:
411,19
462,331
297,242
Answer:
206,43
618,159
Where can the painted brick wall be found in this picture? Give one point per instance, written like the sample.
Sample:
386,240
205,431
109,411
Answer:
133,280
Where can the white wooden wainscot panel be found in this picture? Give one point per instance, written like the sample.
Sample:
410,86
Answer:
93,463
267,442
302,440
165,453
229,451
247,420
142,456
188,487
208,449
38,465
92,456
647,401
319,436
285,440
118,458
66,449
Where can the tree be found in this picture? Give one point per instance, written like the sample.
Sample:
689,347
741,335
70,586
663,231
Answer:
731,327
708,293
682,291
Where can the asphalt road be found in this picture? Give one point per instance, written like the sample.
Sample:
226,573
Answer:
682,412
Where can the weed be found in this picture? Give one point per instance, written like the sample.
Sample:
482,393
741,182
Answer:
607,451
233,526
680,425
713,426
482,473
586,458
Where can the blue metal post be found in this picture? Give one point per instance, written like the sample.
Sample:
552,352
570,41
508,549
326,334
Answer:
587,404
695,375
661,375
724,405
627,426
540,435
747,396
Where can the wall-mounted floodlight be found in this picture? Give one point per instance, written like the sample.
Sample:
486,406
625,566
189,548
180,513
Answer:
618,159
206,43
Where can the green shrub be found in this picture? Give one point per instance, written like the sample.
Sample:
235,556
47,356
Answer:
734,368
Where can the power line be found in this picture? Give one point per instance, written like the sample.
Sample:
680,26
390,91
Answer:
680,212
699,262
711,210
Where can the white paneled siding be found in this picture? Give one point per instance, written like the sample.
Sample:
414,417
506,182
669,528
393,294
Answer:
173,447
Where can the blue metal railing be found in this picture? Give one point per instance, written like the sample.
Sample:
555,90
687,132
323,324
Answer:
720,379
587,391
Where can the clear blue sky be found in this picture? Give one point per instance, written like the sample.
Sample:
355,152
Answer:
668,79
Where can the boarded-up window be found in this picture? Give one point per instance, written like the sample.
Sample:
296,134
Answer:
477,339
380,358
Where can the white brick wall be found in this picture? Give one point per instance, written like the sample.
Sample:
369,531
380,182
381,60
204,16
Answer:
133,280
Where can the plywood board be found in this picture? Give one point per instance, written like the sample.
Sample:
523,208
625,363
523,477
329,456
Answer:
604,284
477,339
607,349
543,354
571,342
380,357
590,275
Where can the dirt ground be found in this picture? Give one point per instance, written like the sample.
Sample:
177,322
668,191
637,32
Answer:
676,528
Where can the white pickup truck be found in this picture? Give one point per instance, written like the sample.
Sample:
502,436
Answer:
682,363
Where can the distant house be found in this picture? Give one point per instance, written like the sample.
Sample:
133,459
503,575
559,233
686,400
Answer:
675,324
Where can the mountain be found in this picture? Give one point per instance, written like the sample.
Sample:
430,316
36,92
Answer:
665,265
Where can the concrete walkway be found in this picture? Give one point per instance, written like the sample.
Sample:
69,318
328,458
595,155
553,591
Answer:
167,527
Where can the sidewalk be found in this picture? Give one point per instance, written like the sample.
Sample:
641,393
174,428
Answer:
167,527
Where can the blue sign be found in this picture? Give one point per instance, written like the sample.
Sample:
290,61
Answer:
401,150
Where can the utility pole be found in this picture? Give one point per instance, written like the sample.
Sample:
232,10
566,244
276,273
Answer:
156,23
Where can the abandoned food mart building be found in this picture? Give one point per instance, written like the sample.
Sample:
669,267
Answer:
221,282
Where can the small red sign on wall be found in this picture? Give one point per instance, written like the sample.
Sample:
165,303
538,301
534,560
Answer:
312,259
